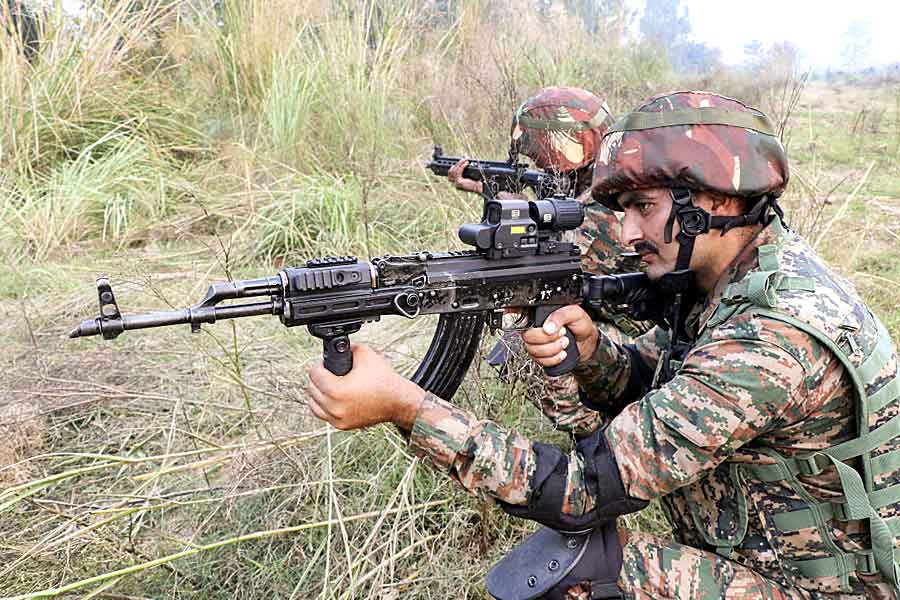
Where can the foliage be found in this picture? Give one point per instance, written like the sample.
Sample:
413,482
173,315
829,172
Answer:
171,144
668,27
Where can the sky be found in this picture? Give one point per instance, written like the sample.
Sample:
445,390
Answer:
816,28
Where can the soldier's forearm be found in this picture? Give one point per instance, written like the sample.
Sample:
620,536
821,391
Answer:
560,402
604,377
479,455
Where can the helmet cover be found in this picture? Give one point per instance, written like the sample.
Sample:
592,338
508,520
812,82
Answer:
697,140
560,127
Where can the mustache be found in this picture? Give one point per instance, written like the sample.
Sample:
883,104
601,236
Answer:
646,247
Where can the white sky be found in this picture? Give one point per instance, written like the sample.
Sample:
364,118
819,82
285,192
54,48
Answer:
816,28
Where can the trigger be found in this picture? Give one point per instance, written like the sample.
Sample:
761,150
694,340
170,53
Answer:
513,321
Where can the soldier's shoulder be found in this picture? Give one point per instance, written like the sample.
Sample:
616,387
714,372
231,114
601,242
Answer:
830,303
760,333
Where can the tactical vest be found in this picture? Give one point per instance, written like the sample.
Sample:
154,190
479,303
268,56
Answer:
868,466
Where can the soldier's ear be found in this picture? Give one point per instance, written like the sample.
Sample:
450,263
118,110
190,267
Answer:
719,204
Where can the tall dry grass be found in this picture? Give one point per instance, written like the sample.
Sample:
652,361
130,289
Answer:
90,133
173,143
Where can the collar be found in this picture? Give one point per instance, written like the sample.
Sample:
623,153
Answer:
747,260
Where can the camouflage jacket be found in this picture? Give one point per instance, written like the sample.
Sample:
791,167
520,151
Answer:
750,384
599,239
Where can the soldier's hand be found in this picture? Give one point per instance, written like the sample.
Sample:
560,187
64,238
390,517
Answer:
547,345
372,392
455,175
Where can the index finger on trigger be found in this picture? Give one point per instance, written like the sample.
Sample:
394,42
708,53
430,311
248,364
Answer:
567,315
536,336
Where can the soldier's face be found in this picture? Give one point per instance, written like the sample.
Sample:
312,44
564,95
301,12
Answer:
646,213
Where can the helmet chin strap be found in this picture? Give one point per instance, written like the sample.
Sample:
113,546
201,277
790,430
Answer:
694,221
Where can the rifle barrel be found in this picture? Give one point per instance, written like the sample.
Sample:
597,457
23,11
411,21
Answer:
194,316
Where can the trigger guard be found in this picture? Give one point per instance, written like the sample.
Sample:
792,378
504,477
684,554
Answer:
523,323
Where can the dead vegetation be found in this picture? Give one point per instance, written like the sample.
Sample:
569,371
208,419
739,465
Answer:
171,465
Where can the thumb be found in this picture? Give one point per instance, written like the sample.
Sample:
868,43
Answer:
571,317
322,378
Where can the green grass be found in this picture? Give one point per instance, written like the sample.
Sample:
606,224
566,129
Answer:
170,147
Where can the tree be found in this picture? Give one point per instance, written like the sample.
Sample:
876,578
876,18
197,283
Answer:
668,27
857,44
664,24
754,54
608,19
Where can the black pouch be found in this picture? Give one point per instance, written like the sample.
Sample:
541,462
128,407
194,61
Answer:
550,562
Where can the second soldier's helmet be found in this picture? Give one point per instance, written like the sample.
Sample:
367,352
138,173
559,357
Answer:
695,140
560,128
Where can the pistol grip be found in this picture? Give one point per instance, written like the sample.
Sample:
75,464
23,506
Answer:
571,361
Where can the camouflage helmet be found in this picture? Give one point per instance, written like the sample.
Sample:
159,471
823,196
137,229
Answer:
695,140
560,127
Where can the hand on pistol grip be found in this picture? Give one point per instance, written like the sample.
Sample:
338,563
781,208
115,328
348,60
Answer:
571,360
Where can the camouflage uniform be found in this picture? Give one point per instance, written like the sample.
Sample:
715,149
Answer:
748,379
560,128
774,447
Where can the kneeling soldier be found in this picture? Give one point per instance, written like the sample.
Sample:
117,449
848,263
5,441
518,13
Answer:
764,412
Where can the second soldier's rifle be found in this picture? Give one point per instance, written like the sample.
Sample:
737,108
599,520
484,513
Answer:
518,263
502,176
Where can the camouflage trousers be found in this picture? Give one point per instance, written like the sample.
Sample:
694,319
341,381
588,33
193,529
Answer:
655,568
659,568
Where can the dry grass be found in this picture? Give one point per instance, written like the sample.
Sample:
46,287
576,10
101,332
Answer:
225,144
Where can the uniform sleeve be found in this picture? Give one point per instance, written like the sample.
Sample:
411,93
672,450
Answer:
560,402
485,458
599,239
481,456
619,373
727,393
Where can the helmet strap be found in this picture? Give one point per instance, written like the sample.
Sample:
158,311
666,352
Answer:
694,221
679,284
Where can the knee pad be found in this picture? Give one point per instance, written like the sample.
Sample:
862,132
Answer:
549,563
601,479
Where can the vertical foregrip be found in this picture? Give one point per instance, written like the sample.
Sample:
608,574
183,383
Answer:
337,355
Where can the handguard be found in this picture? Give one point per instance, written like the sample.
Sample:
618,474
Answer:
549,563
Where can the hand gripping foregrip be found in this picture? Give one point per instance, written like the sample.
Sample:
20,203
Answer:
336,350
571,361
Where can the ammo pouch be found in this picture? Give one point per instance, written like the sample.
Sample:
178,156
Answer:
550,562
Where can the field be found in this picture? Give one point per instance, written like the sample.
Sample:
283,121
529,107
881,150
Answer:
174,146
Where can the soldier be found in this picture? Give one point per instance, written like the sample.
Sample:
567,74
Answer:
764,414
560,128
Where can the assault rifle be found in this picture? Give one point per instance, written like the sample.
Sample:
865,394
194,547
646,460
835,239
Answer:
502,176
518,262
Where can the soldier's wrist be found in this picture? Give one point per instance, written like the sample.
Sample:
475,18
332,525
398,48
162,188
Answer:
407,406
589,359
